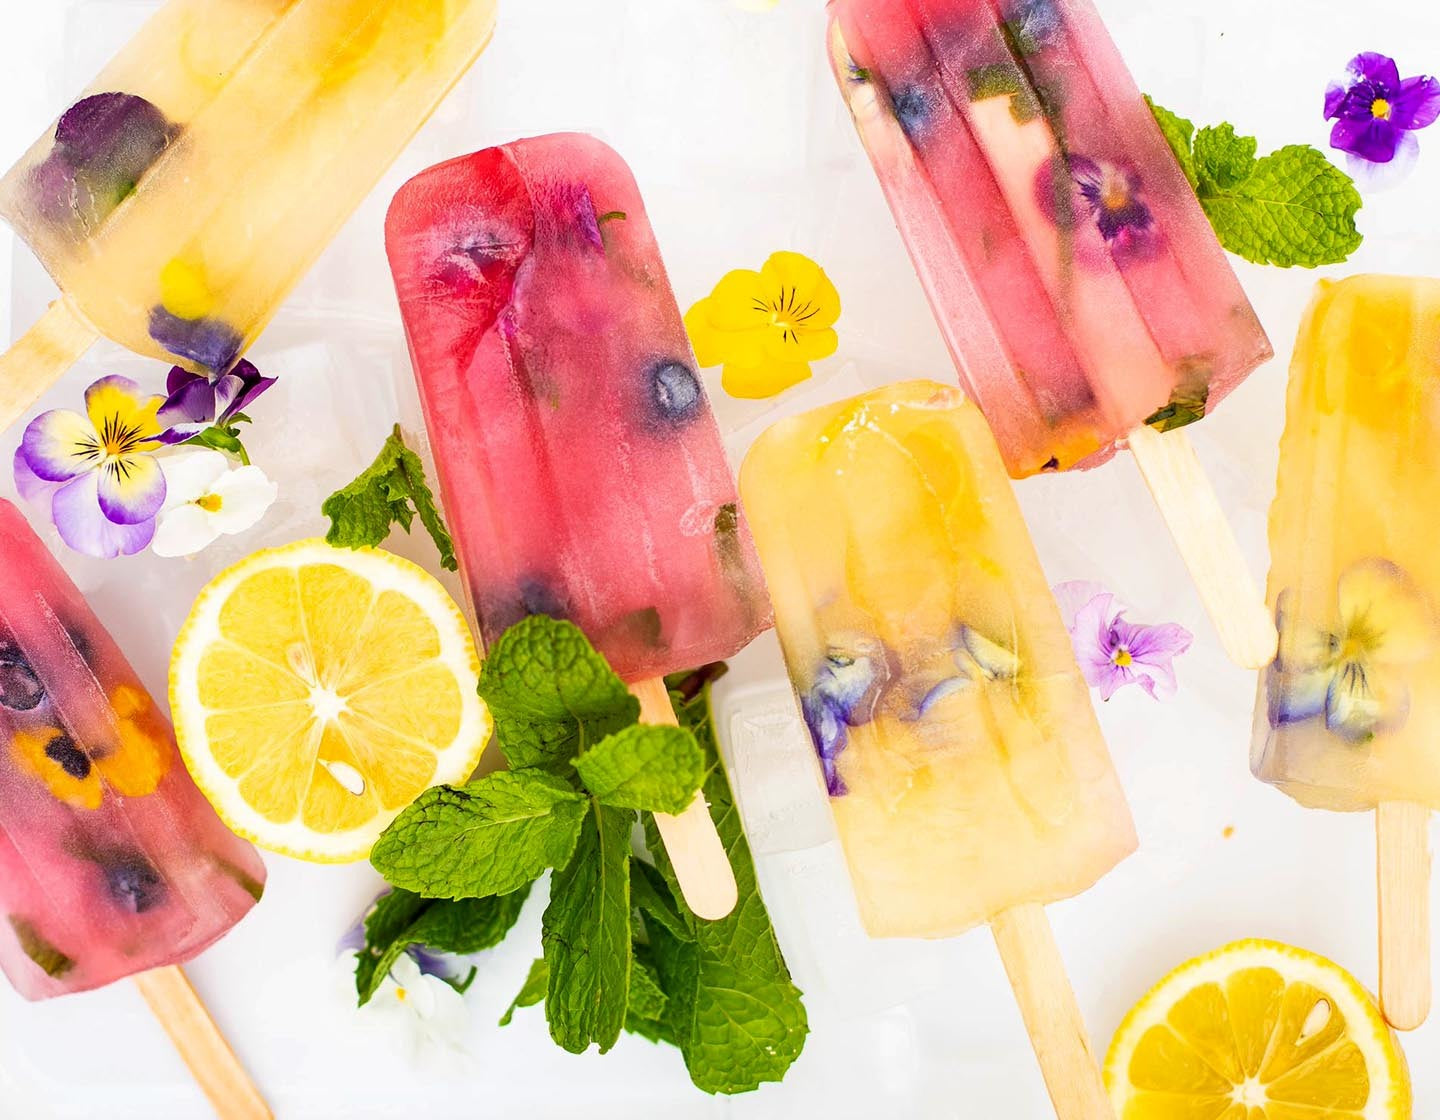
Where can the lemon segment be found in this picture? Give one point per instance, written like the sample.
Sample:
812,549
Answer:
318,691
1257,1030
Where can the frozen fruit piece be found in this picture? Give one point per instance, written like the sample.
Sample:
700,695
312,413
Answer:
20,688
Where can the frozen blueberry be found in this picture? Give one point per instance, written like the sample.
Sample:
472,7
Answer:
912,110
211,343
70,758
20,688
133,882
538,597
675,391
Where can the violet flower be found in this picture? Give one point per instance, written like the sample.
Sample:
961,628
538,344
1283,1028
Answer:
1114,651
843,695
1100,198
1376,112
196,402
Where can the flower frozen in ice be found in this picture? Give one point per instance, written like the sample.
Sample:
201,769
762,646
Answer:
206,500
1353,673
1088,197
766,327
1112,650
843,695
97,471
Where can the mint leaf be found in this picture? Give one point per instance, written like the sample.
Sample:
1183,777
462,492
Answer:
490,837
47,958
653,768
392,490
402,919
1291,207
1179,134
731,1006
586,935
531,993
1296,208
551,694
652,898
1222,159
645,1013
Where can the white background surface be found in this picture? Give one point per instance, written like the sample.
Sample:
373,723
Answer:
742,147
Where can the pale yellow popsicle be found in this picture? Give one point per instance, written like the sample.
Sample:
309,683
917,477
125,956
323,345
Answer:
180,199
966,769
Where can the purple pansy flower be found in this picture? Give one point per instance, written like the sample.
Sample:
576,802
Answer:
96,470
196,402
1376,112
843,695
1114,651
1099,197
208,342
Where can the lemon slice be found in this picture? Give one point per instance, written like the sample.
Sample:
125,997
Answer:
317,691
1257,1031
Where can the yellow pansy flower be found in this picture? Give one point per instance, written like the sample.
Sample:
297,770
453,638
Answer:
766,327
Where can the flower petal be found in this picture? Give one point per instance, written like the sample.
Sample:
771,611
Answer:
1377,68
1374,140
1417,105
184,531
769,379
1296,697
1385,611
807,283
739,302
191,400
76,512
1353,709
995,661
707,342
245,497
242,386
1155,645
132,489
117,403
191,475
787,345
60,445
1073,595
31,486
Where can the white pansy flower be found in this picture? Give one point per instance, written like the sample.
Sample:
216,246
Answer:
423,1009
206,500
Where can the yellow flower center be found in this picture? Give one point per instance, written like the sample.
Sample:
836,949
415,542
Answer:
789,313
210,503
1380,109
1114,193
1122,658
119,439
400,994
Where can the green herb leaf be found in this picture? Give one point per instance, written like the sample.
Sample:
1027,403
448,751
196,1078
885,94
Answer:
653,768
490,837
551,694
586,935
732,1008
392,490
49,959
402,919
533,991
652,898
645,1014
226,440
1291,207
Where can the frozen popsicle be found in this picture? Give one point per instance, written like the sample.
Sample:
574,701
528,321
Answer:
1077,282
1349,714
178,201
965,767
581,468
112,863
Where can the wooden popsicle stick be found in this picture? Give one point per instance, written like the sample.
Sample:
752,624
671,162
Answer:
214,1065
1207,545
1402,874
1052,1017
691,841
40,356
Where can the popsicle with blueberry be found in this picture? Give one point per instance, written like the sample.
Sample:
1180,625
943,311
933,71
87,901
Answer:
964,765
581,468
1349,713
1078,284
112,863
178,201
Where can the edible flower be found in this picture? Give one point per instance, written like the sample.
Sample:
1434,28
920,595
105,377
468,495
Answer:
843,694
1353,673
97,471
184,323
766,327
1088,196
1112,650
1377,113
205,500
206,410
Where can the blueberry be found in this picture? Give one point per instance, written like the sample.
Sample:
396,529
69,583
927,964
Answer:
912,110
20,688
211,343
70,758
133,882
538,597
676,393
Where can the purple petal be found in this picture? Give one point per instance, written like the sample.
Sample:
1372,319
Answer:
76,512
1072,596
1374,140
1091,632
1377,68
1417,105
31,486
1335,94
191,401
1113,680
235,391
131,490
60,445
1155,645
210,343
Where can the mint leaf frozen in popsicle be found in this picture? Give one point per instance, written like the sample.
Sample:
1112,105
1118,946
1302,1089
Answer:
392,490
1291,207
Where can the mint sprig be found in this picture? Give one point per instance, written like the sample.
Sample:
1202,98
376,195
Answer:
1291,207
391,491
620,951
